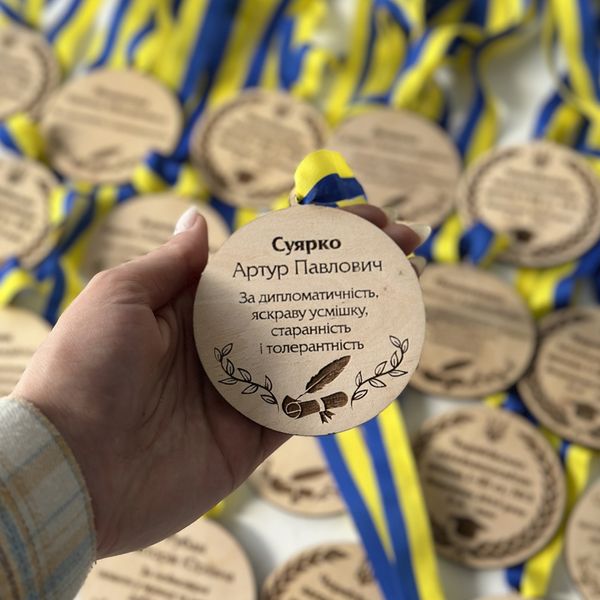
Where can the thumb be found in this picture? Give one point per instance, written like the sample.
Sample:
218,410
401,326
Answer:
165,272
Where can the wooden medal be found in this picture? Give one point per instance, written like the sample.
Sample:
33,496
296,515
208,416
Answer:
25,187
142,224
408,165
99,127
544,196
21,334
493,486
309,320
29,72
480,335
248,148
567,316
327,572
582,548
202,561
562,388
296,478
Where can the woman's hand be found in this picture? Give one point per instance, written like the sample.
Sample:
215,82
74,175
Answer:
120,379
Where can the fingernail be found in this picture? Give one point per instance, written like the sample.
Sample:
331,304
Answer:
186,220
419,263
421,230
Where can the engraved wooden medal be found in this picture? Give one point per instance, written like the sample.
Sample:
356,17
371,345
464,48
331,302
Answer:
296,478
248,148
562,388
480,334
29,72
326,572
142,224
99,127
408,165
25,231
201,561
583,544
493,486
544,196
309,320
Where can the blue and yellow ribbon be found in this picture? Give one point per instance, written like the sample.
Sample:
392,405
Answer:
297,63
21,135
556,287
134,36
325,178
373,464
452,242
350,70
377,477
28,13
70,33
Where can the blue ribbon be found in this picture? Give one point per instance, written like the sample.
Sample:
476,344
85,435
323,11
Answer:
71,9
396,523
386,576
139,37
7,140
260,55
113,32
513,403
474,244
588,266
333,189
11,14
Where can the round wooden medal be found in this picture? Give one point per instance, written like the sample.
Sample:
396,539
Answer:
326,572
408,165
248,148
309,320
480,335
583,544
544,196
25,187
201,561
562,388
567,316
21,334
29,71
142,224
297,478
99,127
493,486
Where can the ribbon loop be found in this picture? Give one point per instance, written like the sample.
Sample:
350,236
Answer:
325,178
